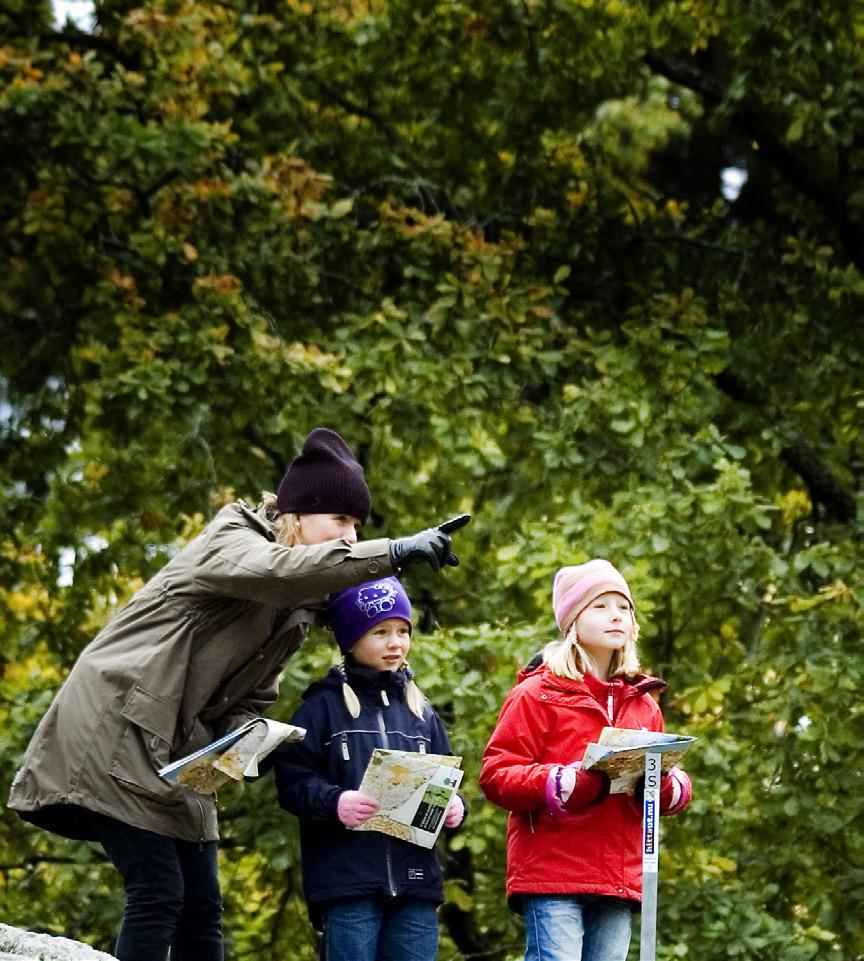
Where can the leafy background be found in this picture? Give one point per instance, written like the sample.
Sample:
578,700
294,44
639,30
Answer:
489,243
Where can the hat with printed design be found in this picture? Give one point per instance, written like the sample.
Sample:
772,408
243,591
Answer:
353,611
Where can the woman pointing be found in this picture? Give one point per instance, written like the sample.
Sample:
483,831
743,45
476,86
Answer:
195,653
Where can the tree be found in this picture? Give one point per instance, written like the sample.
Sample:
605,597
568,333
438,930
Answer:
488,243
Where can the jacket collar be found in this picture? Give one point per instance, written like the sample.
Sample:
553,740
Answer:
257,518
366,682
633,684
630,683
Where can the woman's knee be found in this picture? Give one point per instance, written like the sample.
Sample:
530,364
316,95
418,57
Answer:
163,897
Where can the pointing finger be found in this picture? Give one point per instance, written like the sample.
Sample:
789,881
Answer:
454,523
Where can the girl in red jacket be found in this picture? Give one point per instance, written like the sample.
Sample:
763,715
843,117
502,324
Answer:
574,852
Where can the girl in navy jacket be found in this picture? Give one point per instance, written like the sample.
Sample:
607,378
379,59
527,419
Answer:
374,896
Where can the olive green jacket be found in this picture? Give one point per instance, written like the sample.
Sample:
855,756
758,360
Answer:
197,651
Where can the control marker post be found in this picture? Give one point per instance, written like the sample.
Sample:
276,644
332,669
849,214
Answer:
650,856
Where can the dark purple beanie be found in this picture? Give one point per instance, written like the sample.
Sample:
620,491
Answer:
324,479
353,611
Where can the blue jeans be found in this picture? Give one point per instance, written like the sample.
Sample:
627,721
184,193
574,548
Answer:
576,928
172,894
368,929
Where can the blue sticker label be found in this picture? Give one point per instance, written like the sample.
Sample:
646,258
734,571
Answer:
650,826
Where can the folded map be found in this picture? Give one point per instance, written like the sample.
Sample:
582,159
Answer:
620,752
234,756
414,791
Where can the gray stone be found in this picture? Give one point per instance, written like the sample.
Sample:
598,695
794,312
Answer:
16,944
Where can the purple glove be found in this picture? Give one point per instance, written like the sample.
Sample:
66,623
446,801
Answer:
455,812
355,808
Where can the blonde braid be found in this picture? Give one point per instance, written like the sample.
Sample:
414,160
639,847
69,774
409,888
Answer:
352,703
414,697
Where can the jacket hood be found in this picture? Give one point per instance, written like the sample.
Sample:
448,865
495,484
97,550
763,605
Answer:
364,680
534,666
258,518
640,683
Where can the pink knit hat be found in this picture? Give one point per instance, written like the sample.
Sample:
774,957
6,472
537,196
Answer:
576,587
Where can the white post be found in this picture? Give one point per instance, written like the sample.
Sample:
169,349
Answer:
650,856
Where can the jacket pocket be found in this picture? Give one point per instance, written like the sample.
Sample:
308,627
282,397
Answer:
144,745
150,713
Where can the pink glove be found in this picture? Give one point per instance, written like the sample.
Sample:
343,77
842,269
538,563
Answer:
355,808
455,812
569,788
676,791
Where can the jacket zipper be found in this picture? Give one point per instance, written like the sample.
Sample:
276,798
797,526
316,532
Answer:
201,830
382,727
385,743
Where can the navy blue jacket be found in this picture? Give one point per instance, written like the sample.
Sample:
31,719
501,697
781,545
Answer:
311,774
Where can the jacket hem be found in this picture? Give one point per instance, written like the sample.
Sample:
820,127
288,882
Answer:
317,909
61,814
563,889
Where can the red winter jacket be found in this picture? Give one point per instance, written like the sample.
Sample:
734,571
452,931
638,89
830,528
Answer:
546,721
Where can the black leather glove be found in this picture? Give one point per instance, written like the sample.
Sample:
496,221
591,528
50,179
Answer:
431,546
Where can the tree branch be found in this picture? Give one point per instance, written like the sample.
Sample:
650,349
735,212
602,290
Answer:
393,136
395,139
822,483
34,860
756,125
78,40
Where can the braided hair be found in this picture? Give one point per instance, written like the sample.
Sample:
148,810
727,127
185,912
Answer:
414,697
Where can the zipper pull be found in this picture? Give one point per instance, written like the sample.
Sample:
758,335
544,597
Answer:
345,755
610,706
422,747
384,699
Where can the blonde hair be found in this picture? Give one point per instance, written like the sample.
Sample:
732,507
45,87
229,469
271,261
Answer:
414,697
567,658
288,532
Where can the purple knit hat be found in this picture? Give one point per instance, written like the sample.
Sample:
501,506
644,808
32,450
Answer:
353,611
324,479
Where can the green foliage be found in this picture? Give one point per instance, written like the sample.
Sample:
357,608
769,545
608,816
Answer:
488,244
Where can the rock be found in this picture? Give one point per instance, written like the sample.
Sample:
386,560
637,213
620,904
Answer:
16,944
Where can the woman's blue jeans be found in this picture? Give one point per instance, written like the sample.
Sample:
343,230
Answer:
576,928
172,894
369,929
